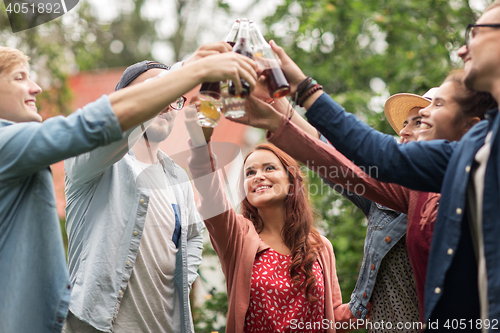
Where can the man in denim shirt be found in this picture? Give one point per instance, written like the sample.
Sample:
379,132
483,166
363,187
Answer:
463,272
35,288
138,277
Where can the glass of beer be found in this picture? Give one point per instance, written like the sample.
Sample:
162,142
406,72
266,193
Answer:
209,106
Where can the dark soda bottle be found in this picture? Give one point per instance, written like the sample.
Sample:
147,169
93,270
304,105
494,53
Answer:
268,63
231,39
242,47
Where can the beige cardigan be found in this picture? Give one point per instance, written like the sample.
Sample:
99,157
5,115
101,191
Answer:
237,243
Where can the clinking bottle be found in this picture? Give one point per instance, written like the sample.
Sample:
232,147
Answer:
231,40
268,63
233,33
243,47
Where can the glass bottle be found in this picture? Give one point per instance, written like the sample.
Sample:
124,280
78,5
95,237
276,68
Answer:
215,87
233,33
242,47
268,63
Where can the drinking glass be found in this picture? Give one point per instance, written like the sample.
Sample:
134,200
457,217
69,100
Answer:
209,106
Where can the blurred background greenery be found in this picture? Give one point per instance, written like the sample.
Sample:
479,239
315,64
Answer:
361,51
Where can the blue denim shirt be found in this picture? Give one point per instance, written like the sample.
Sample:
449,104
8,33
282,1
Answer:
423,166
34,283
382,222
107,202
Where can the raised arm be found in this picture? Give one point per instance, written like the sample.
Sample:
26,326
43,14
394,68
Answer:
26,148
226,228
361,202
139,103
417,165
328,162
29,147
283,106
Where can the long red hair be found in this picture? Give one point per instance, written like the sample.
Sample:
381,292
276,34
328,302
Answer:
298,233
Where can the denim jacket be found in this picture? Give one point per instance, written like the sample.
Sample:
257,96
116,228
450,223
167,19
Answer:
34,282
436,166
382,222
106,210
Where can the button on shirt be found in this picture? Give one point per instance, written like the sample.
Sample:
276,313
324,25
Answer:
105,225
150,300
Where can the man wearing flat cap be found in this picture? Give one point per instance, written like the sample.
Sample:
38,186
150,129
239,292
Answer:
135,236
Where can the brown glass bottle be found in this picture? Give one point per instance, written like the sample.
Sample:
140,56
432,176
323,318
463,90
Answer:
268,63
231,39
242,47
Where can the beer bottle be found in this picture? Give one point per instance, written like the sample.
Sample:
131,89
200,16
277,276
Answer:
268,63
231,40
243,47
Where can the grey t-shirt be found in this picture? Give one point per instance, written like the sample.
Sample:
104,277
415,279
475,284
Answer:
150,301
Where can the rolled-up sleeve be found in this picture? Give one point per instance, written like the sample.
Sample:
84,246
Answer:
26,148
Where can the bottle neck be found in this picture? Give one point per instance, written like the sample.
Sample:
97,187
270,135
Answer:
243,32
233,34
259,37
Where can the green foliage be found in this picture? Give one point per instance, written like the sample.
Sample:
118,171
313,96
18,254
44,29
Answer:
206,317
344,44
93,45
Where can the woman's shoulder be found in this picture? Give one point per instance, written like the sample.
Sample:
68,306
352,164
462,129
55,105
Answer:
326,243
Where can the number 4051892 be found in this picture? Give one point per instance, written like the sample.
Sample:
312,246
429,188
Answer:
40,8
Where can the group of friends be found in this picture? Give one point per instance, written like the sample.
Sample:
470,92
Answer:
431,253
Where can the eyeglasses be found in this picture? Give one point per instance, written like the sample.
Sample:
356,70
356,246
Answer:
178,104
469,32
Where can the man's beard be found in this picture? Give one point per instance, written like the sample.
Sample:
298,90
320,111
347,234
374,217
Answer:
157,134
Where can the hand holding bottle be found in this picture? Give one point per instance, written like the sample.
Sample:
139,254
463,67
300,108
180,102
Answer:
229,65
207,50
292,72
268,64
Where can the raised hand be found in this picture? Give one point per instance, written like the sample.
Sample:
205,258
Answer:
261,91
209,49
293,73
228,65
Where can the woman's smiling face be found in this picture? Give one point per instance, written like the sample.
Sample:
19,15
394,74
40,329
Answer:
443,118
266,180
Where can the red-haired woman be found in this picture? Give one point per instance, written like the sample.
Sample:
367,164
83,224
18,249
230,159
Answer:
280,272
